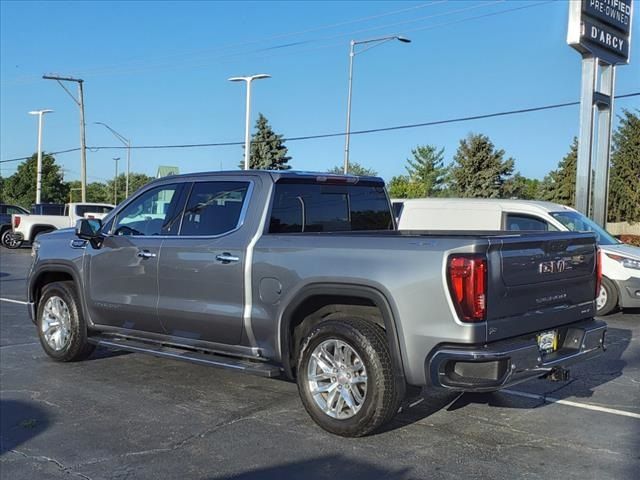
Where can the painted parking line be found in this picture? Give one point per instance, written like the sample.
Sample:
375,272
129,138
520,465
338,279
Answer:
11,300
569,403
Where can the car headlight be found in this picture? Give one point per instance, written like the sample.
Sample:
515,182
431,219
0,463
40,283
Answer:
35,246
625,261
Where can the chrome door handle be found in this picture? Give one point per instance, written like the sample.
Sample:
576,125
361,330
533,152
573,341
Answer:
146,254
227,258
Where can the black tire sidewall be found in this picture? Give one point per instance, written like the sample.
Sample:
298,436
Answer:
77,348
360,423
17,244
612,297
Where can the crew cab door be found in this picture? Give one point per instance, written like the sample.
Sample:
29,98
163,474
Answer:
201,270
122,285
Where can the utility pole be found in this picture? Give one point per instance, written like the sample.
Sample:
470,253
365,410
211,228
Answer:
40,114
115,183
83,145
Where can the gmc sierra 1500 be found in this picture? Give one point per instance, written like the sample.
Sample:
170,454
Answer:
305,275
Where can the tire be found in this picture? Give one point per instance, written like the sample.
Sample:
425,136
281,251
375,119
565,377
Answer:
374,401
8,241
66,342
607,300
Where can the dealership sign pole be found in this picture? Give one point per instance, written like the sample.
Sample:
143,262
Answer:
601,31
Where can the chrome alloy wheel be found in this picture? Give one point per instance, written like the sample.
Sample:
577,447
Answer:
602,298
337,379
55,324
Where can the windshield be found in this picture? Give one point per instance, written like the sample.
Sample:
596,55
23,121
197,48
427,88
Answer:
576,222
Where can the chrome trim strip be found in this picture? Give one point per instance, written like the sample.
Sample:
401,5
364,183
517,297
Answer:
248,270
241,219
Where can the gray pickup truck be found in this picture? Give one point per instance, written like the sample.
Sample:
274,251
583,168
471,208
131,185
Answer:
305,276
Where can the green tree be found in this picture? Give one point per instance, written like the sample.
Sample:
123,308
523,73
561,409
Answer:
354,169
479,170
136,180
426,171
521,187
624,186
268,151
96,192
559,186
20,187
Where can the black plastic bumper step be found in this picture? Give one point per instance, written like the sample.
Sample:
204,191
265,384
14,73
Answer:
202,358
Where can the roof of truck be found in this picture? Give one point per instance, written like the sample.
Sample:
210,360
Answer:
480,203
275,175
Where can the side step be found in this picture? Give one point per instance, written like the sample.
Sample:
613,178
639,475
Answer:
202,358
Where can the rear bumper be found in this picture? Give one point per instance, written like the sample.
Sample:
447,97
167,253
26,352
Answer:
507,362
629,292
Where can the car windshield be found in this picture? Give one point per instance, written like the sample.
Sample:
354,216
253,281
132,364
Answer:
576,222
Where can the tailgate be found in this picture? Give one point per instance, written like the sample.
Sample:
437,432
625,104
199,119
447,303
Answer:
539,281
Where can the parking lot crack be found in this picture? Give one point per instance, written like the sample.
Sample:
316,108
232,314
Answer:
57,463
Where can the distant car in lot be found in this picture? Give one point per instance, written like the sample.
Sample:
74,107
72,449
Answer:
6,211
620,262
305,275
25,228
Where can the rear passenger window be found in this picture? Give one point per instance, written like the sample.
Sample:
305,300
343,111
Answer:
214,208
312,207
526,222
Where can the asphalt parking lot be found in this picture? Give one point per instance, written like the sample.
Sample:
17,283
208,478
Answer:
131,416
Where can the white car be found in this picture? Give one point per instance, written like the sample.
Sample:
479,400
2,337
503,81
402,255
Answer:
27,227
620,262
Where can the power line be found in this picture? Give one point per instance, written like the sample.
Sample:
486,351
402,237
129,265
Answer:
340,134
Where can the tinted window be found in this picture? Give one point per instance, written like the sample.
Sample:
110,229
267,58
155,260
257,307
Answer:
155,212
82,209
576,222
11,210
214,208
329,208
526,222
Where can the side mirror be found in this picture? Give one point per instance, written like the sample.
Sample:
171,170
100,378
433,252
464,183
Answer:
89,229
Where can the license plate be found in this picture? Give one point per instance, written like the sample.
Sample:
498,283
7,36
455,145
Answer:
548,341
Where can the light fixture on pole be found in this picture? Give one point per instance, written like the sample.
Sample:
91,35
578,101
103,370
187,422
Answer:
115,183
248,81
127,143
40,114
374,42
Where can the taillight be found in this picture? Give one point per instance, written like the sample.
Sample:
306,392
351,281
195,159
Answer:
598,271
468,286
16,221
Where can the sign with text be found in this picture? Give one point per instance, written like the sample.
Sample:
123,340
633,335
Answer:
601,28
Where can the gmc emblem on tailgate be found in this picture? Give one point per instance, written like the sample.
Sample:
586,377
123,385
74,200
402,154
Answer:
552,266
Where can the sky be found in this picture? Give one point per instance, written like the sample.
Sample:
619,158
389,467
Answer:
157,73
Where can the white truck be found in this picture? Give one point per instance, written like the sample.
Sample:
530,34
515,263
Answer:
27,227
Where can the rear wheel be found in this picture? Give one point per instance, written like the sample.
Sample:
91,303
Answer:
61,327
8,240
607,299
345,377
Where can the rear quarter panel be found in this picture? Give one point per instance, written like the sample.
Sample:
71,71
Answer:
408,271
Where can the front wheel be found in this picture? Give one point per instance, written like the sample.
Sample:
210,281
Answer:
61,326
607,299
345,377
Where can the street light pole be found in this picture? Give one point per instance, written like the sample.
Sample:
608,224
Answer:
83,144
115,183
247,140
352,53
127,143
40,114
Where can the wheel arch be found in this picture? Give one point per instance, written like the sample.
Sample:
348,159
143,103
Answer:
52,273
315,297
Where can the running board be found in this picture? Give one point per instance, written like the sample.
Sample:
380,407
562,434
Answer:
201,358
